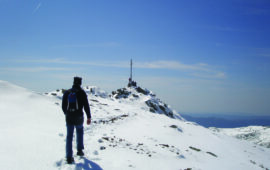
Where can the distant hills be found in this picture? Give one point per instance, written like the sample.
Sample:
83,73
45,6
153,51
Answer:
228,121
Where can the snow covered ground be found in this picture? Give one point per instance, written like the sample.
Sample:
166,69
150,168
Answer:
131,129
259,135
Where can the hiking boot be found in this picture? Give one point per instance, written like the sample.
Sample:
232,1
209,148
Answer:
80,153
70,160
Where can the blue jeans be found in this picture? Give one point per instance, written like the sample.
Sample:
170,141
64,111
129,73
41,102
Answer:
79,135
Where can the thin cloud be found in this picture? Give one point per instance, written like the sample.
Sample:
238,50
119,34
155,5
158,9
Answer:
175,65
256,11
63,61
89,45
219,28
264,55
224,28
163,64
37,8
32,69
211,75
263,52
202,70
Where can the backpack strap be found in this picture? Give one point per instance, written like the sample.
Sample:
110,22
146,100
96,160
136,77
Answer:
69,91
72,91
77,107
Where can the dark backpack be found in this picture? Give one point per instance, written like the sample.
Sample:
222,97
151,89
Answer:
72,105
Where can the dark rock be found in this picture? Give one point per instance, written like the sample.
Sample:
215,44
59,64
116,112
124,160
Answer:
162,108
135,95
152,110
121,93
93,100
151,105
105,138
173,126
195,149
210,153
253,162
164,145
158,108
170,114
102,148
140,90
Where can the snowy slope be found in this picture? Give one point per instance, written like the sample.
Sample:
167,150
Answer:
127,132
259,135
30,125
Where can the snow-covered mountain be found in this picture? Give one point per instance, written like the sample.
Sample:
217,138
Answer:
131,129
259,135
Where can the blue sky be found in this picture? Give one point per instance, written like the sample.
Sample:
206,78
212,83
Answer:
198,56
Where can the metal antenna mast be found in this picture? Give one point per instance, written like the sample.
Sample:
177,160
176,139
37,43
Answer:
131,69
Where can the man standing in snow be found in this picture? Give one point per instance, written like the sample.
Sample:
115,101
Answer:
73,103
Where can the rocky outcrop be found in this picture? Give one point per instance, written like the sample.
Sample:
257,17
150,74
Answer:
156,106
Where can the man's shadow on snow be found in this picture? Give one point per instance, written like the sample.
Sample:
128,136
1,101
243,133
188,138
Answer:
87,165
83,165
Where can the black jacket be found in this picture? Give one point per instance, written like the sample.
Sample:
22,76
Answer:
82,103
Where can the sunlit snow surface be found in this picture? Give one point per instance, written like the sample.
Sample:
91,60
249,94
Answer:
124,134
259,135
